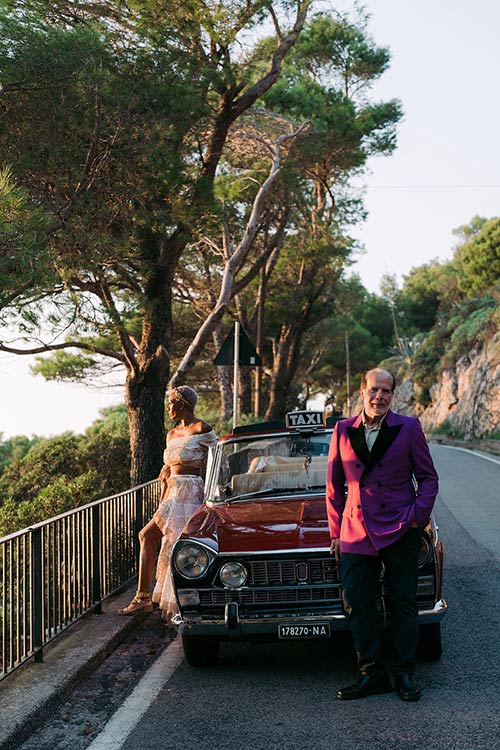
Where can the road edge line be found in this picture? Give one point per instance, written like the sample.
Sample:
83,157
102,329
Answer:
126,718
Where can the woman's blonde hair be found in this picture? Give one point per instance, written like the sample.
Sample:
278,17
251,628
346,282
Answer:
186,394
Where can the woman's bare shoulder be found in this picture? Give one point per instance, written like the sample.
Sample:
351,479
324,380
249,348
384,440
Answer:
171,434
201,427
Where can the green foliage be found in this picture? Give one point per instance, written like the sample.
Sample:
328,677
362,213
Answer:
23,234
106,450
420,297
83,95
325,80
448,429
61,495
448,309
44,462
479,260
469,331
107,118
115,120
64,494
426,360
64,366
441,350
225,426
344,49
58,474
14,449
374,314
470,230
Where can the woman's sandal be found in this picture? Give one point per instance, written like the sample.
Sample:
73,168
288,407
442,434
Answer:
141,601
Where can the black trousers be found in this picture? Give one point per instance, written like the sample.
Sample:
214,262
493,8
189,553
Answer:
360,580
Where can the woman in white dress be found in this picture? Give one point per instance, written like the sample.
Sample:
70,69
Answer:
185,458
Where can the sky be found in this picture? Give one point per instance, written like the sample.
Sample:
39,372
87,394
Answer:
445,68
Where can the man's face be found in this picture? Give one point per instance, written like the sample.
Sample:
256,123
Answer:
377,395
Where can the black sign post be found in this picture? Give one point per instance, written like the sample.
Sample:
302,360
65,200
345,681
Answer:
237,350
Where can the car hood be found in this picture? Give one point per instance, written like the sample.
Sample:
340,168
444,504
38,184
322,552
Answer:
267,525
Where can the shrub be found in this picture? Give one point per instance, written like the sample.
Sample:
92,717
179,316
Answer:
61,473
467,333
448,429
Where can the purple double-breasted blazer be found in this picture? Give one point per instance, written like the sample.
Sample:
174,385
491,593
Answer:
388,488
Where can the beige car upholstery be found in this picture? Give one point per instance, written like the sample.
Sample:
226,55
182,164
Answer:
278,472
282,463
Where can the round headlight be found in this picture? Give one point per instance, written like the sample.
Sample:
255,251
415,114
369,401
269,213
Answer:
191,561
233,575
425,552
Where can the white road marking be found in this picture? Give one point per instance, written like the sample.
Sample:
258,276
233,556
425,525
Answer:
125,719
473,453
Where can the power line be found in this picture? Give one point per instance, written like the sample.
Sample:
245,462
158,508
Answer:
434,187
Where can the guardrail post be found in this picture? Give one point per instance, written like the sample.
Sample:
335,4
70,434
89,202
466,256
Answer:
139,521
96,559
37,593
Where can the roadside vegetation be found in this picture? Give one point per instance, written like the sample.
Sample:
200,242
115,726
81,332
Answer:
49,476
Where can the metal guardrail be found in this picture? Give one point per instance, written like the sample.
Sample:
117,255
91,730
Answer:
56,571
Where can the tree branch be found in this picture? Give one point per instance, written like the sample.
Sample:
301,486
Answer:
231,108
128,348
66,345
233,263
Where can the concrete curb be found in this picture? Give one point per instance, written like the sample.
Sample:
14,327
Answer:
486,446
33,691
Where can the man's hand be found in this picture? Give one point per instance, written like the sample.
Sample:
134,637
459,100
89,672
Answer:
335,548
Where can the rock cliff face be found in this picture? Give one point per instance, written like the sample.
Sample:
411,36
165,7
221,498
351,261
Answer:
466,397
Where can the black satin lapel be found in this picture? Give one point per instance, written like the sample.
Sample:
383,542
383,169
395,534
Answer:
385,439
358,442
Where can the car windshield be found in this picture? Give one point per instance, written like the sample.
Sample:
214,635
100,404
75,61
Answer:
269,465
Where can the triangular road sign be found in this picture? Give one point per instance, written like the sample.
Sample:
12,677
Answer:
247,351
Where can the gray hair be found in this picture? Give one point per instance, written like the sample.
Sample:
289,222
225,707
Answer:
380,370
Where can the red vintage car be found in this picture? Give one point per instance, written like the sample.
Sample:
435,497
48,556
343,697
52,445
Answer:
253,562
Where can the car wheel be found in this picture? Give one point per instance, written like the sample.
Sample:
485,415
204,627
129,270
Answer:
429,643
198,652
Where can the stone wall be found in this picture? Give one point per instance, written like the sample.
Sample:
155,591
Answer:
466,397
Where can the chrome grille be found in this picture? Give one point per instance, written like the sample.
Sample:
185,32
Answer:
302,595
276,585
285,572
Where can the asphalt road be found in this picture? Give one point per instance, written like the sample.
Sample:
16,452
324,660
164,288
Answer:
283,695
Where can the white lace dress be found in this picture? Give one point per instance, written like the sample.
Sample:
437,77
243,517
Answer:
181,495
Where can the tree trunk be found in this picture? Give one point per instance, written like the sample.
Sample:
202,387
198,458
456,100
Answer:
145,400
245,388
284,368
147,362
225,377
259,339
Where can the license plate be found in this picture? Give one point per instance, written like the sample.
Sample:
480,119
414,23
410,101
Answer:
306,630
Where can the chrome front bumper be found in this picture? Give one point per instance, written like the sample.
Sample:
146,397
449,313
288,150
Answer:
234,626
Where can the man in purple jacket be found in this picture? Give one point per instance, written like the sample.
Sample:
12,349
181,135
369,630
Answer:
384,460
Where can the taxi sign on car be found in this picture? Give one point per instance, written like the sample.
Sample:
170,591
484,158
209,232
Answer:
303,419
